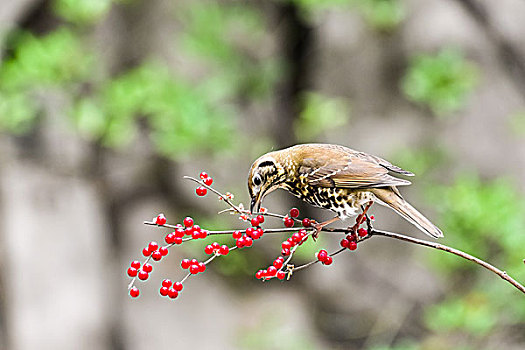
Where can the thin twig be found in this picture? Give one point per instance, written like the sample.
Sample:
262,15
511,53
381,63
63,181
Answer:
224,198
454,251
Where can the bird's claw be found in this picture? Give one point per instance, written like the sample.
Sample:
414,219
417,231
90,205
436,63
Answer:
318,227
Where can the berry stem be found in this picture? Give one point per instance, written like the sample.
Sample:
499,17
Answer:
224,197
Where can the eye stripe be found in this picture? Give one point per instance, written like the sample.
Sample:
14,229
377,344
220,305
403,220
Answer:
266,163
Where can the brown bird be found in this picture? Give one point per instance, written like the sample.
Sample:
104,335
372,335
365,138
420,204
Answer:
334,177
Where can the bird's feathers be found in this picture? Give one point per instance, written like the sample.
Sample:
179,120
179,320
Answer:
338,166
392,198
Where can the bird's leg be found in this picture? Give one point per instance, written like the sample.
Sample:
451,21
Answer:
368,221
361,218
319,226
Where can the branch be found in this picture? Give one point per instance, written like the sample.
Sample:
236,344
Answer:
454,251
281,266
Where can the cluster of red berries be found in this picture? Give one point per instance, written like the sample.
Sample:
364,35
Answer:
350,241
288,220
155,251
193,266
295,239
216,248
272,271
250,234
170,289
135,270
324,257
201,190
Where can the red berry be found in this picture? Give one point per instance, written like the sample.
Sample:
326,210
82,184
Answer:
132,272
163,291
286,245
134,292
344,243
203,175
241,242
321,255
185,263
294,212
271,271
215,245
302,233
254,222
278,263
202,267
170,238
296,237
328,260
172,293
208,181
177,240
259,274
194,269
248,241
166,283
203,234
352,245
352,237
160,220
147,267
153,246
281,275
164,251
188,231
237,234
201,191
372,217
135,264
188,222
362,232
179,232
194,261
178,286
209,249
307,222
285,252
195,234
260,218
260,232
143,275
156,255
224,250
146,252
288,221
255,234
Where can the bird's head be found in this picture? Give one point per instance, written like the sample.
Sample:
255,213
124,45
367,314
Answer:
266,174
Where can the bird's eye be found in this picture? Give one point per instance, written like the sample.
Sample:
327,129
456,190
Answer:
257,180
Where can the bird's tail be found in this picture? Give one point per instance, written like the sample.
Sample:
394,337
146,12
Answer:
392,198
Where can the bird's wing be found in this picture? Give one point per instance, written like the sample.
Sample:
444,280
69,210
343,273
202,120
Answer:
339,168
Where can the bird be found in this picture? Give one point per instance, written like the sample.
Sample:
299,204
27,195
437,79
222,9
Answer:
336,178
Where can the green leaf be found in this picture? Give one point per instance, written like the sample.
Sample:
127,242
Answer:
82,11
319,114
56,59
443,82
17,112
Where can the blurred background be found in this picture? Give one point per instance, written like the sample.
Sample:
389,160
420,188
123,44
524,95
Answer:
106,104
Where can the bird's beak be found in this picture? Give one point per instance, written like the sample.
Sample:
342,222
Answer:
255,205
